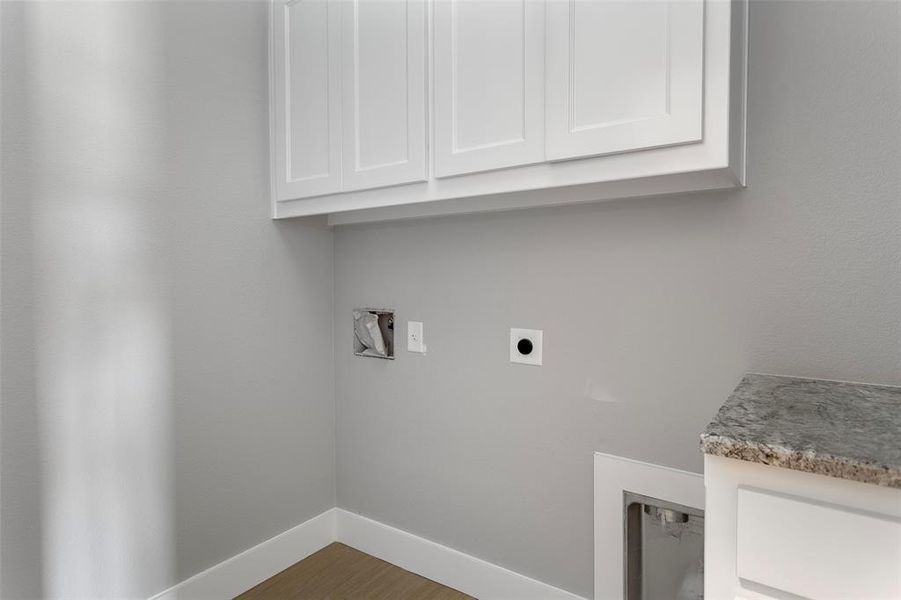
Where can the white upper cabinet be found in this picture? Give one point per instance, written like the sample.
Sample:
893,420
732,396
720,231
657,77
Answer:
386,109
489,84
305,64
349,96
623,75
384,92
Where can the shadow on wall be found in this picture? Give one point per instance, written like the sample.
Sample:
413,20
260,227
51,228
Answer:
149,392
93,295
88,404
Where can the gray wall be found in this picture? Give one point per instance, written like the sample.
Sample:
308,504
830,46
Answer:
167,388
652,309
166,369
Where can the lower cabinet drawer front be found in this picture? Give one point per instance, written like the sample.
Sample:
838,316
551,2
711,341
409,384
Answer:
815,550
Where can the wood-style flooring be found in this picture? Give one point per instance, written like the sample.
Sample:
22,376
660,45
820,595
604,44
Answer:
339,572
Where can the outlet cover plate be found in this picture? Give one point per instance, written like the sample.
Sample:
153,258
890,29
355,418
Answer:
533,335
415,341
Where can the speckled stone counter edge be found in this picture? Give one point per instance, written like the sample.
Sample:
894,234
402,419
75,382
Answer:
808,462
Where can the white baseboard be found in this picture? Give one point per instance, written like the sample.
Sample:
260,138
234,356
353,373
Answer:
450,567
439,563
245,570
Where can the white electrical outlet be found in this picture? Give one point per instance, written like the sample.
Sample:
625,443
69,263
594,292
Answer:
525,346
415,341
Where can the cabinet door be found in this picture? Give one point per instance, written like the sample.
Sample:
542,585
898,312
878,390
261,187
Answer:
306,104
816,550
384,92
488,84
623,75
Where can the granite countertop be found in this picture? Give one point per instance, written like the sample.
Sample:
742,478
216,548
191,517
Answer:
846,430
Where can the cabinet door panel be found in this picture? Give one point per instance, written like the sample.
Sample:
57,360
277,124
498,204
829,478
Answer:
816,550
623,75
489,84
384,92
306,127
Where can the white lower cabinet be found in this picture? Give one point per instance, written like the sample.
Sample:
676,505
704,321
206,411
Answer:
773,533
385,109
